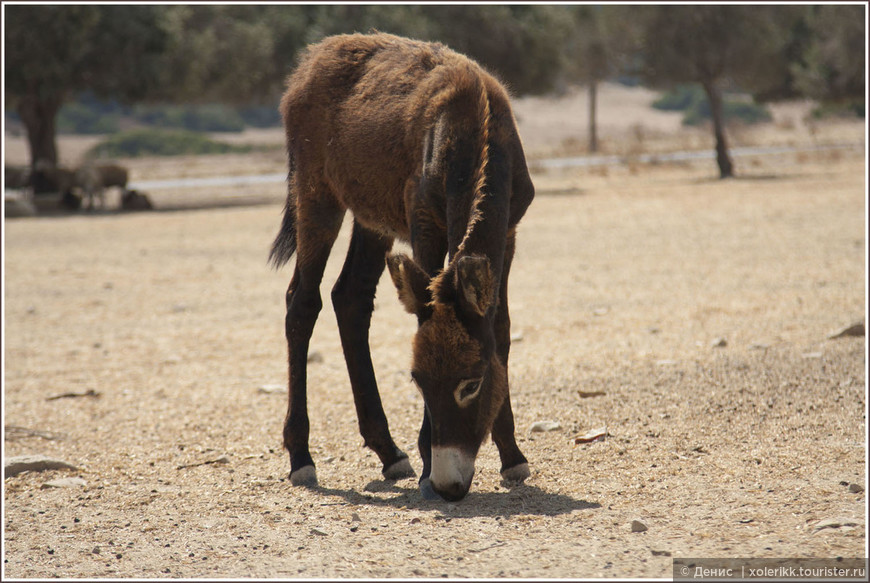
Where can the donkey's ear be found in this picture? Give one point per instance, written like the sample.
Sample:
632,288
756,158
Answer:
475,282
412,283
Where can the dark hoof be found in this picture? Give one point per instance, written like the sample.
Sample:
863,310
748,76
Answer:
304,476
515,475
427,491
399,470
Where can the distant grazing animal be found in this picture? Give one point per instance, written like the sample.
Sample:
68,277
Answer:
16,176
47,177
94,179
133,200
420,144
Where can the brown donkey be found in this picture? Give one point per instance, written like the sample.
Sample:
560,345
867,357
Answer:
420,144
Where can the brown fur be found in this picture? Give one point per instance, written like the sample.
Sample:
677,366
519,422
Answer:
420,144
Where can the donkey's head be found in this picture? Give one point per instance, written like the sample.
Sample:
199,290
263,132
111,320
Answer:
455,366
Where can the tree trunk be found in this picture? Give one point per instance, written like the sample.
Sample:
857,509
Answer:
40,118
593,106
714,95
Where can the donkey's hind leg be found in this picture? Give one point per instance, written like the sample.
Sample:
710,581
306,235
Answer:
353,300
318,223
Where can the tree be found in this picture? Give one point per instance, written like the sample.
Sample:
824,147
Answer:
54,52
714,45
598,45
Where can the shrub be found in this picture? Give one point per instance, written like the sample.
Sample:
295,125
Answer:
197,118
748,113
154,142
261,116
77,118
681,98
691,99
841,110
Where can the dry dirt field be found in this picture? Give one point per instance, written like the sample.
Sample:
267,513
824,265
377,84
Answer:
687,315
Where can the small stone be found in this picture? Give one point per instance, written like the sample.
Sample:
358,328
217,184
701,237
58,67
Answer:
355,517
415,520
856,488
541,426
318,532
854,329
517,336
719,343
759,346
591,436
271,389
661,553
835,523
315,357
65,483
638,526
813,355
33,463
587,394
95,550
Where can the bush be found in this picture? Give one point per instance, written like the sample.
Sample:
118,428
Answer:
77,118
748,113
692,100
681,98
152,142
841,110
197,118
261,116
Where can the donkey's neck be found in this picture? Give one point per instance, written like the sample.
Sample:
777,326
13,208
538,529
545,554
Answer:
485,229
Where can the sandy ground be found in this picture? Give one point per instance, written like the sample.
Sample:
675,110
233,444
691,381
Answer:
624,279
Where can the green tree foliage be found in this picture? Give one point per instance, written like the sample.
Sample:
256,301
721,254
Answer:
53,52
520,44
832,67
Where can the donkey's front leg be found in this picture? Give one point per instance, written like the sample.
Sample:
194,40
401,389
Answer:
514,466
353,300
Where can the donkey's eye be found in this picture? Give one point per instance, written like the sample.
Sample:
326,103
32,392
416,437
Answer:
466,391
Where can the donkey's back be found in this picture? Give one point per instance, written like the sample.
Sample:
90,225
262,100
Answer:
358,112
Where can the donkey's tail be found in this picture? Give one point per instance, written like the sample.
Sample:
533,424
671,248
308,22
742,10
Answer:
284,245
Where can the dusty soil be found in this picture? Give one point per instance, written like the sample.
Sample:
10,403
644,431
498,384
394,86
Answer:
625,277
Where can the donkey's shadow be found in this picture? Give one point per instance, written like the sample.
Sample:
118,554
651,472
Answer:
522,499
